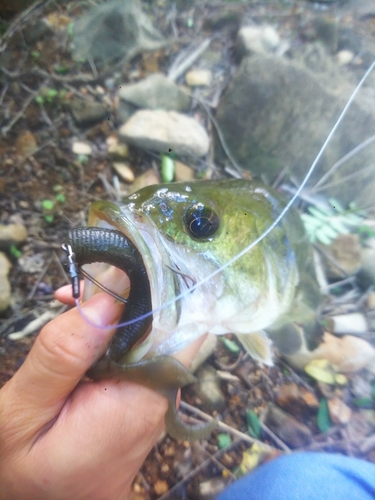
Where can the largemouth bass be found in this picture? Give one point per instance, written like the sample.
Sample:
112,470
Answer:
186,232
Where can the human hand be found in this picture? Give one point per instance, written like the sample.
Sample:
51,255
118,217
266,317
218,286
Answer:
61,437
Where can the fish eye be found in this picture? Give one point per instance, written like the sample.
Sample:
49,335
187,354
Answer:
201,221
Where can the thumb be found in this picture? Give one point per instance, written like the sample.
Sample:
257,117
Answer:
60,356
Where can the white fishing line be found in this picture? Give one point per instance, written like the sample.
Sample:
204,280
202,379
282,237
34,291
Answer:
261,237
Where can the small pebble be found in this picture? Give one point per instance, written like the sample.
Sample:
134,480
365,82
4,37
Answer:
124,171
183,173
344,57
81,148
198,78
371,300
339,412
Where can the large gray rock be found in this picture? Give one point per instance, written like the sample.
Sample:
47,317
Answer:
114,29
156,92
159,130
276,115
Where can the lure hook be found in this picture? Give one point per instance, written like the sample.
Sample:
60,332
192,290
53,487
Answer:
73,273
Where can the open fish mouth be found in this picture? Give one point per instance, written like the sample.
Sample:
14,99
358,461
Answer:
119,239
92,244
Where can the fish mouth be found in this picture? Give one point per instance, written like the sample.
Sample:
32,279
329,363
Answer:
163,277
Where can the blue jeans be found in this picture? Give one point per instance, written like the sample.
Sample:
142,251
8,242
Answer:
306,476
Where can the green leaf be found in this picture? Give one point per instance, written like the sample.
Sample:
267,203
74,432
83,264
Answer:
60,197
322,238
323,418
230,345
336,205
223,440
35,54
318,214
51,94
83,159
48,204
70,29
253,424
14,252
48,218
167,168
364,402
329,232
338,224
61,69
39,99
311,221
353,219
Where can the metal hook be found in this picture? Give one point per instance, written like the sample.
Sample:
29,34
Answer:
76,292
73,273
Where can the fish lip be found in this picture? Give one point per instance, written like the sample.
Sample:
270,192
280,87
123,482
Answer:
135,225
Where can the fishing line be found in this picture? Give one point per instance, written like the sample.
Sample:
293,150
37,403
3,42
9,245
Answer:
257,240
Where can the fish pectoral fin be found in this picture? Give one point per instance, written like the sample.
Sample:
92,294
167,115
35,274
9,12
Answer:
258,345
178,429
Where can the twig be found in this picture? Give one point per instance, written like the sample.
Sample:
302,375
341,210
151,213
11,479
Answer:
225,427
20,114
273,436
297,378
184,60
233,366
39,279
25,16
36,324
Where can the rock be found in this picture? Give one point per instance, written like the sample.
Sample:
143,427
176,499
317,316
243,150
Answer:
114,29
208,490
183,173
276,114
366,276
349,323
339,412
359,387
12,234
346,252
5,290
344,57
155,92
371,300
26,144
161,487
297,399
87,112
257,40
117,150
36,31
286,427
208,389
223,18
148,178
348,353
162,131
199,78
124,171
81,148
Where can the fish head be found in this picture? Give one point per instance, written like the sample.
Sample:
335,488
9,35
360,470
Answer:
189,235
